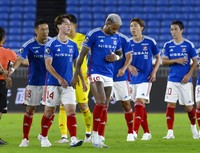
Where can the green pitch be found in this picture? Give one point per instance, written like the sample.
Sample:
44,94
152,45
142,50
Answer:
116,132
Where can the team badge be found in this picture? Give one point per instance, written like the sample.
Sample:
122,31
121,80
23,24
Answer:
21,50
183,49
145,48
47,51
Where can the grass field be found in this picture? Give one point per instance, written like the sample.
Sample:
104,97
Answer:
116,132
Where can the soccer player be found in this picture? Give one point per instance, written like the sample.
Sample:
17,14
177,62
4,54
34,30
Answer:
60,55
33,50
6,56
144,73
104,47
81,96
197,93
121,88
177,53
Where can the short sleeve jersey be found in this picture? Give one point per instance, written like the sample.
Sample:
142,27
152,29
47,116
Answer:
63,55
172,50
101,45
143,53
34,51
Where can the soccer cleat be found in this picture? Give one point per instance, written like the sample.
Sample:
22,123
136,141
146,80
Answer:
63,140
75,142
130,137
2,142
101,143
95,139
88,138
39,137
146,136
170,135
195,133
45,142
24,143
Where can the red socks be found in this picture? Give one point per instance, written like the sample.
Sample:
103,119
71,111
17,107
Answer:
129,120
198,116
170,117
71,124
102,125
27,122
144,122
192,116
139,113
45,124
97,113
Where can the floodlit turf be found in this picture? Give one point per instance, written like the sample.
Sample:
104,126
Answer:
116,132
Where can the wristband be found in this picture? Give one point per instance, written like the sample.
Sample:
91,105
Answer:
12,69
117,57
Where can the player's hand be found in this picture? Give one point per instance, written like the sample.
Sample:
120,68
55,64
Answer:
11,71
84,86
182,61
120,72
152,77
74,81
111,57
186,79
63,83
133,70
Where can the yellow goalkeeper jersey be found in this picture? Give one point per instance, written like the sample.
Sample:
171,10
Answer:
79,38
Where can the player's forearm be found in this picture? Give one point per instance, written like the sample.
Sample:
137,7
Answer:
193,67
157,63
128,61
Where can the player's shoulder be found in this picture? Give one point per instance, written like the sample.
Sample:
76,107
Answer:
170,42
30,41
93,31
148,38
188,42
123,36
51,41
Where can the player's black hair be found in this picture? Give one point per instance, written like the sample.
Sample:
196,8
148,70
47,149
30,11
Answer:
71,18
2,33
139,21
60,19
179,23
39,22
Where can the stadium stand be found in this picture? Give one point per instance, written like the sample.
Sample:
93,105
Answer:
157,15
15,15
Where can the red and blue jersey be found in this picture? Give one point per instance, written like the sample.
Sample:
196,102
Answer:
34,51
143,53
63,55
126,49
101,45
172,50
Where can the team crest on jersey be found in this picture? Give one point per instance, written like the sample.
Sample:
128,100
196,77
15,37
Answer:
145,48
70,50
163,51
114,42
86,40
21,50
183,49
47,51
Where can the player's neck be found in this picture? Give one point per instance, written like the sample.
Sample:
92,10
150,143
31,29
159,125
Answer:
178,40
42,41
138,38
62,38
